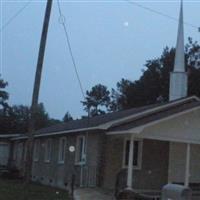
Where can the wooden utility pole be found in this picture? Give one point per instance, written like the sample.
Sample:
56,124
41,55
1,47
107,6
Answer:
34,104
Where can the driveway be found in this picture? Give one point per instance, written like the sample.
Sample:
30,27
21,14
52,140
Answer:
92,194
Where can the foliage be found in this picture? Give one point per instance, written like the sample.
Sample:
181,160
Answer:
3,94
67,117
97,100
16,119
153,85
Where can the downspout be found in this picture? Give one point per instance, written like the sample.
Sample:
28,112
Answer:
86,148
187,166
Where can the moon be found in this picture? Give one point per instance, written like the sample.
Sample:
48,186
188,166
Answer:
126,24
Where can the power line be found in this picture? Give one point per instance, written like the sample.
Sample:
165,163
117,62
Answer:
14,16
62,21
159,13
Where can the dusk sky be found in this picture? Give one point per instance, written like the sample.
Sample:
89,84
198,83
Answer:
110,40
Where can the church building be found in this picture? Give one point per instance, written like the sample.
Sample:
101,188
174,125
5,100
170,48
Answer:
141,148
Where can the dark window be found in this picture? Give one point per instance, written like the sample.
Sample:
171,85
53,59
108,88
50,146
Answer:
135,152
80,156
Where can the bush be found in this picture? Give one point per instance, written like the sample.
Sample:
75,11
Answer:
12,173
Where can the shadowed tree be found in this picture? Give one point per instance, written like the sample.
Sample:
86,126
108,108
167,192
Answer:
3,106
97,100
67,117
16,119
3,94
153,85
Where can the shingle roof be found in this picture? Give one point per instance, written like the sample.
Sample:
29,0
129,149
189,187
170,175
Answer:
166,110
121,120
94,121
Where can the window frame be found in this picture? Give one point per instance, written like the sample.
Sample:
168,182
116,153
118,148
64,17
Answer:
25,149
47,150
19,151
36,150
15,151
81,161
140,151
61,148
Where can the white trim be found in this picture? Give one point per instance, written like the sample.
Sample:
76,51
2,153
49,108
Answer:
9,135
61,132
130,163
137,130
107,125
83,153
148,111
25,150
140,151
166,118
169,139
36,150
47,150
19,152
61,148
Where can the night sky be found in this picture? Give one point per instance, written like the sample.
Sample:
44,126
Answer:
110,40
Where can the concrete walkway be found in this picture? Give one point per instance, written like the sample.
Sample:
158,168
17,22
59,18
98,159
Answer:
100,194
92,194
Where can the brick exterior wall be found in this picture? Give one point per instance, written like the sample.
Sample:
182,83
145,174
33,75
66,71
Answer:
154,172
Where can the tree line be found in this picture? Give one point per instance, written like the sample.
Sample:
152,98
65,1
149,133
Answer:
152,87
16,118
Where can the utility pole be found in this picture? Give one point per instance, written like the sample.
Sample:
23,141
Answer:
34,104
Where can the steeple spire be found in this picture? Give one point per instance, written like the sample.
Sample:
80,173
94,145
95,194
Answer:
179,78
180,56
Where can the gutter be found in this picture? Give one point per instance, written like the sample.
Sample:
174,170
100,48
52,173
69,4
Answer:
60,132
146,112
9,135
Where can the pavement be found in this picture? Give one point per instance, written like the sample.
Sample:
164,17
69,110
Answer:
92,194
101,194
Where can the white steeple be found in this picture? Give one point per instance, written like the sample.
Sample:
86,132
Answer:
180,55
178,78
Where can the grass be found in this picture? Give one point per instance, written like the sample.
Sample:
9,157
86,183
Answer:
16,190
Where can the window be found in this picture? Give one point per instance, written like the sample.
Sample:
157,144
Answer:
80,150
19,151
25,150
47,150
15,151
36,150
61,153
137,153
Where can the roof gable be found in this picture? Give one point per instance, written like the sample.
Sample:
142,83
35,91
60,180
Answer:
157,115
118,120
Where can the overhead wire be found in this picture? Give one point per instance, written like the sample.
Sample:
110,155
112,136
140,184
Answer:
159,13
63,23
13,17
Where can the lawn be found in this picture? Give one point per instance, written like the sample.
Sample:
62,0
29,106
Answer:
15,190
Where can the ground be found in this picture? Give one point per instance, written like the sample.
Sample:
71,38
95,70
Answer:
93,194
14,190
